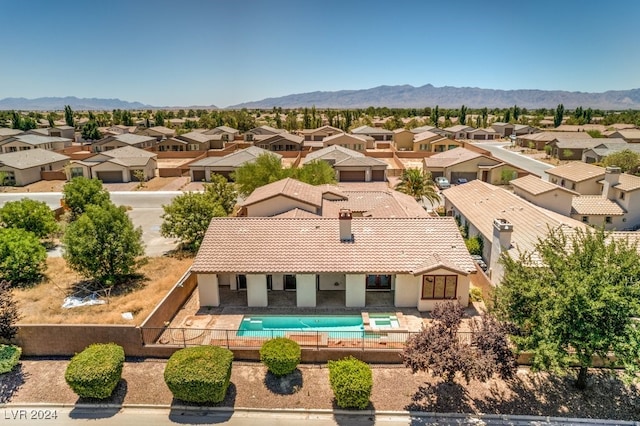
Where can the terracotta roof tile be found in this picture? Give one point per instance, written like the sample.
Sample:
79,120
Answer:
595,205
536,186
275,245
577,171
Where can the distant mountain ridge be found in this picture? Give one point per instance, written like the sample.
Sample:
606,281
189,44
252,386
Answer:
58,103
407,96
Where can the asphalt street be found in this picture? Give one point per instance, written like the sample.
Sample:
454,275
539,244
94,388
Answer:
531,165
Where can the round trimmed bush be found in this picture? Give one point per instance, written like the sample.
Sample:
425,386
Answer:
9,357
96,371
199,374
351,381
280,355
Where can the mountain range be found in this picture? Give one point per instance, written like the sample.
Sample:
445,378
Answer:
407,96
80,104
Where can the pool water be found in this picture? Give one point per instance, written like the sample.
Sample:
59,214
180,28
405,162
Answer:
335,325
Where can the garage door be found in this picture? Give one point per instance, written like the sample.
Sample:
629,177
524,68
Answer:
466,175
436,174
111,177
198,175
377,175
352,176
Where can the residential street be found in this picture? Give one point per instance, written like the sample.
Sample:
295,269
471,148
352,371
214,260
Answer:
498,150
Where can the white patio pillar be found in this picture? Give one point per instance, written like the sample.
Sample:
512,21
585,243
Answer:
208,290
306,290
367,175
356,291
257,290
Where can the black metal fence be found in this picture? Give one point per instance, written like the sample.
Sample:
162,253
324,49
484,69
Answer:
235,339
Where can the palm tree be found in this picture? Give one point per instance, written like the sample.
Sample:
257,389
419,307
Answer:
418,184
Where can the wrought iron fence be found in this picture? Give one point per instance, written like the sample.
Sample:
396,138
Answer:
241,339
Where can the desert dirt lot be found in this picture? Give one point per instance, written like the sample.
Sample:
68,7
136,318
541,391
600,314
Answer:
394,388
42,303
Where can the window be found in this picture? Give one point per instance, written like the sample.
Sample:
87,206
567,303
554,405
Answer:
241,282
289,282
621,196
378,282
194,147
439,286
585,219
607,219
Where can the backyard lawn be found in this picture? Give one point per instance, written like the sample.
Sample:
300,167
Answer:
42,303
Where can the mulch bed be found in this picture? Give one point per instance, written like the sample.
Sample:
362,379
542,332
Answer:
395,388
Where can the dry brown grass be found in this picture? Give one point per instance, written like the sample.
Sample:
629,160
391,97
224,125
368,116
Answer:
42,304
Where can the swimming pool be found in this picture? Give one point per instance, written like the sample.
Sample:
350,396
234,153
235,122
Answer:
335,325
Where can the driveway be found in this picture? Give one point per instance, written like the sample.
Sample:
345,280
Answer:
531,165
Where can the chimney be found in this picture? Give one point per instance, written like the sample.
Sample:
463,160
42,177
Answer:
611,179
345,226
502,230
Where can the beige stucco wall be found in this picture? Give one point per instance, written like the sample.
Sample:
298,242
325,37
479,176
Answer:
257,290
306,290
404,140
631,204
462,292
356,291
347,141
277,205
208,290
407,291
617,222
586,187
557,200
26,176
328,281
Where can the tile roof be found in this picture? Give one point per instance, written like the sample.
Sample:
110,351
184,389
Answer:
297,213
380,204
30,158
197,136
39,140
628,182
582,143
333,152
132,139
549,136
280,136
451,157
425,135
9,132
306,245
235,159
321,130
366,130
605,148
595,205
458,128
576,171
421,129
536,186
162,129
288,187
481,203
629,133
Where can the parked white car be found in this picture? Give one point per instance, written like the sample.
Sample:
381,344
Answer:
442,182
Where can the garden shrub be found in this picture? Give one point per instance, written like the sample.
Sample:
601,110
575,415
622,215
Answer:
475,294
280,355
96,371
199,374
351,381
9,357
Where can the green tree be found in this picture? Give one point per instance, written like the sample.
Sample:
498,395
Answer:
267,168
159,118
9,315
81,192
462,118
51,117
68,116
22,257
188,216
418,184
90,131
30,215
435,116
102,244
627,160
573,298
558,116
316,172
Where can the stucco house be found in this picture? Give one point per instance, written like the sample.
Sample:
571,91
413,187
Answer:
403,139
354,142
378,134
191,141
225,133
158,132
463,163
317,135
540,140
25,141
258,133
482,134
421,129
419,262
544,194
201,170
505,221
24,167
629,135
7,133
350,165
574,148
577,176
284,141
604,148
459,131
292,198
116,165
503,130
123,140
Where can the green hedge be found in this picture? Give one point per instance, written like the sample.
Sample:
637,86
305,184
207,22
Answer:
351,381
96,371
280,355
9,357
199,374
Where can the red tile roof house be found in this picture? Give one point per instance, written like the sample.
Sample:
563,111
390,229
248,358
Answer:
421,261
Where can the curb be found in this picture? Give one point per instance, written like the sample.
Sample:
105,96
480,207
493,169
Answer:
339,412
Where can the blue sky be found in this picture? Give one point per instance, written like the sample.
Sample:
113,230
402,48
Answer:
226,52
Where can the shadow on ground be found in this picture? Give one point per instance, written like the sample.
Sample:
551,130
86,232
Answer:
116,400
10,383
364,417
202,415
285,385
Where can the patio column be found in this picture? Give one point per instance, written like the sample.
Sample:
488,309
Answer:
208,290
356,291
367,175
257,290
306,290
